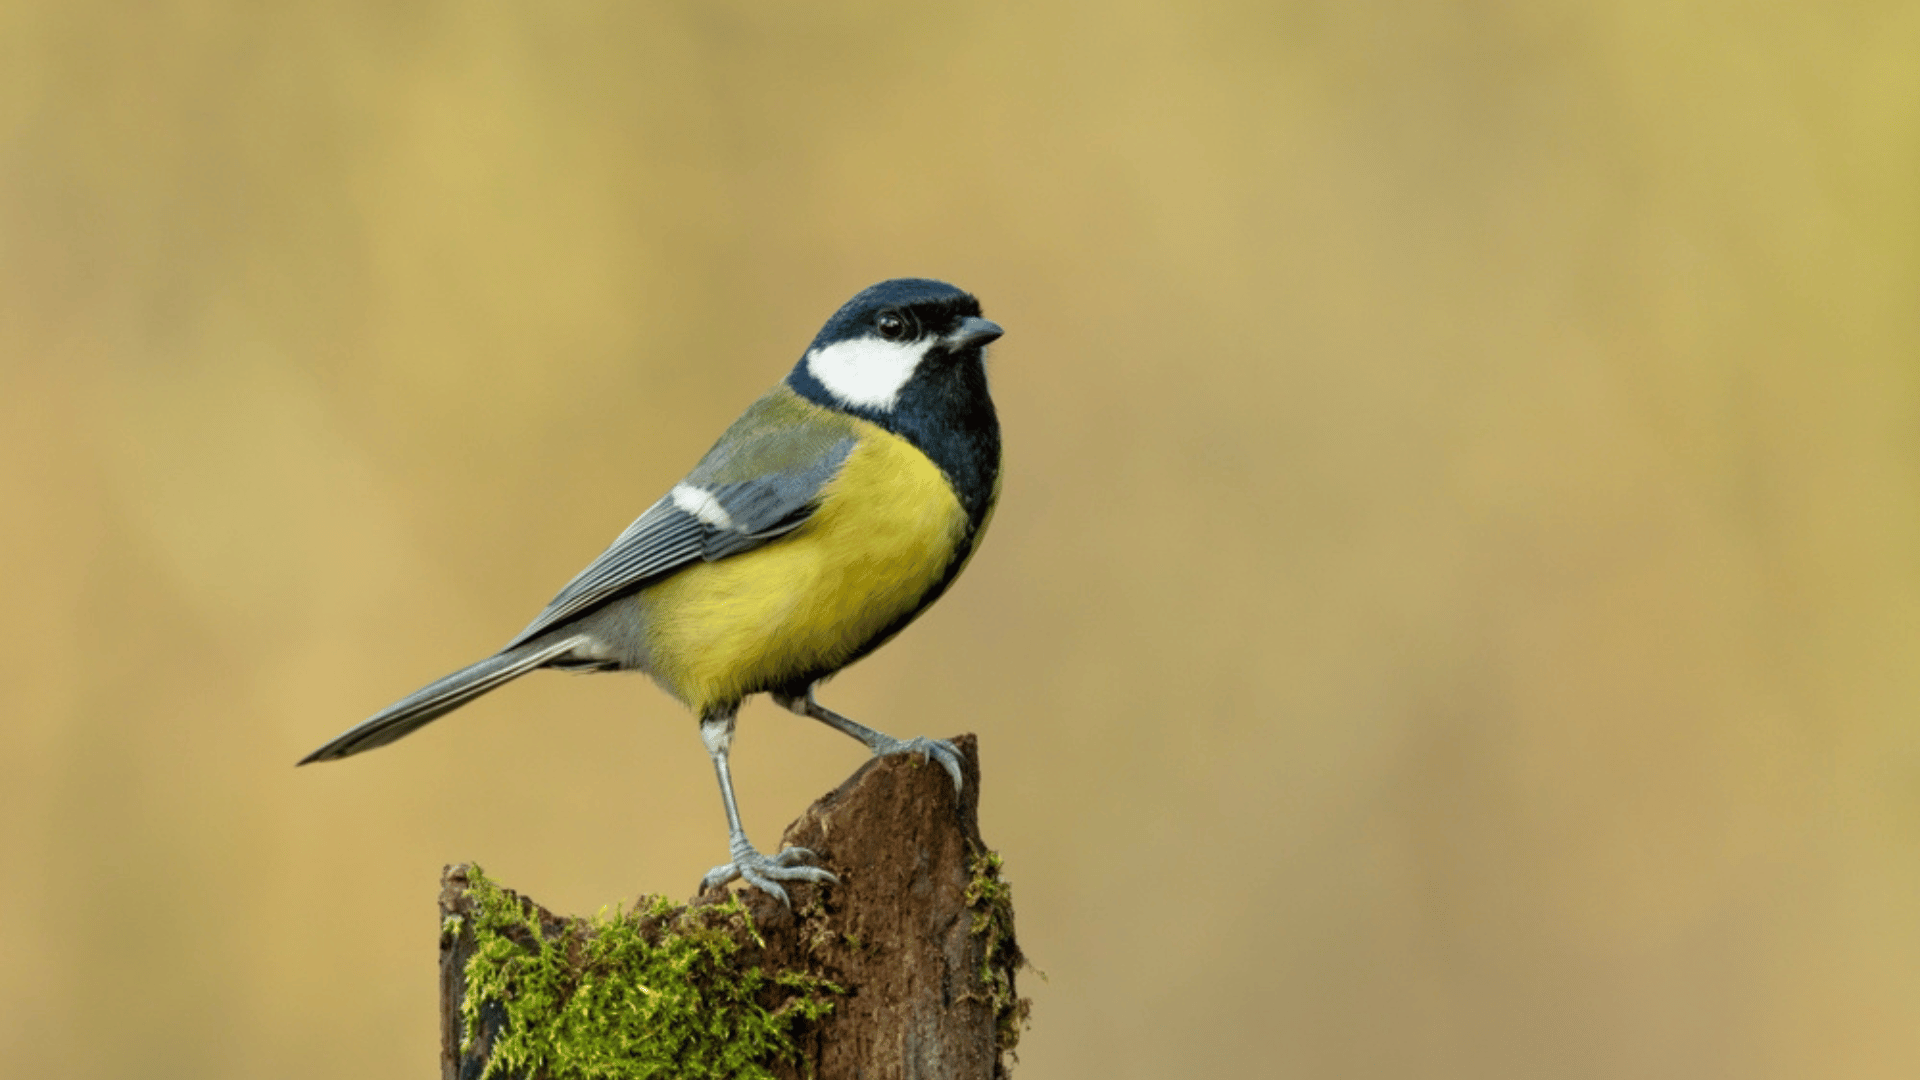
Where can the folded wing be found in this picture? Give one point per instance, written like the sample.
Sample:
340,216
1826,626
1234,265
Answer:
703,519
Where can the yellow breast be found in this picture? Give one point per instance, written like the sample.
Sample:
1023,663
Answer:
885,532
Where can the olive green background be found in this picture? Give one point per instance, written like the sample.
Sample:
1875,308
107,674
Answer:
1453,611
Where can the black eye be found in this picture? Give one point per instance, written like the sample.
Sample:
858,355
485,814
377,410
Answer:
891,326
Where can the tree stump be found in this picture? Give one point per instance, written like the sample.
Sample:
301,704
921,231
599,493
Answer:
904,968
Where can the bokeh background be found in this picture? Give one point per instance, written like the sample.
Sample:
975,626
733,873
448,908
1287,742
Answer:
1453,611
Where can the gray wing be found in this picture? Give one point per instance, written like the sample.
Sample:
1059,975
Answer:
694,523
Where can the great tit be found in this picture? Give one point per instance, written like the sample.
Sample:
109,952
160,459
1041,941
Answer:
831,513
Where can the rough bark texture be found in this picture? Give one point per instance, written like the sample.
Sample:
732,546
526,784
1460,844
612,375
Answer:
918,933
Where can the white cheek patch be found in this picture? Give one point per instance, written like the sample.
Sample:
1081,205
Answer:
701,504
867,371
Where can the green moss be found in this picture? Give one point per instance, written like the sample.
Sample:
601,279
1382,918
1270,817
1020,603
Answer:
990,899
655,991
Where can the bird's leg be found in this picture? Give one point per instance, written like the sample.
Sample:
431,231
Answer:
760,871
939,750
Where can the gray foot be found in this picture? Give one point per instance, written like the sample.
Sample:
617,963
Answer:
879,742
766,872
939,750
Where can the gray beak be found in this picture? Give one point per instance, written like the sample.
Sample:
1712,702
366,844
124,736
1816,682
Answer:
972,330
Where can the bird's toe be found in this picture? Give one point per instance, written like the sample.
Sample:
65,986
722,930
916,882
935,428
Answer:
765,872
938,750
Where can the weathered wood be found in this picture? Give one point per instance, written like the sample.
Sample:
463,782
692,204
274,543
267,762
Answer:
917,936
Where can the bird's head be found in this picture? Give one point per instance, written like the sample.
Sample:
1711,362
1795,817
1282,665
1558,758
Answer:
869,352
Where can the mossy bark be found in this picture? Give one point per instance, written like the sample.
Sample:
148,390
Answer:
905,968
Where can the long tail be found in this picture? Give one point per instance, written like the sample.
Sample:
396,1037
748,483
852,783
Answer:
442,696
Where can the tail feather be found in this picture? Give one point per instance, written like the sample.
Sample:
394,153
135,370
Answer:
442,696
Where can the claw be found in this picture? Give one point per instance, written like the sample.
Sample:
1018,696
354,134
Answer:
766,872
796,856
880,743
939,750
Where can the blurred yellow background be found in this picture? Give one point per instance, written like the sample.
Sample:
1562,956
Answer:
1453,612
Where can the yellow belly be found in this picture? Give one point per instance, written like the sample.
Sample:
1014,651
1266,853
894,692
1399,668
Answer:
883,536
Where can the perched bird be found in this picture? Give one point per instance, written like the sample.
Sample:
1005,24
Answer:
831,513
